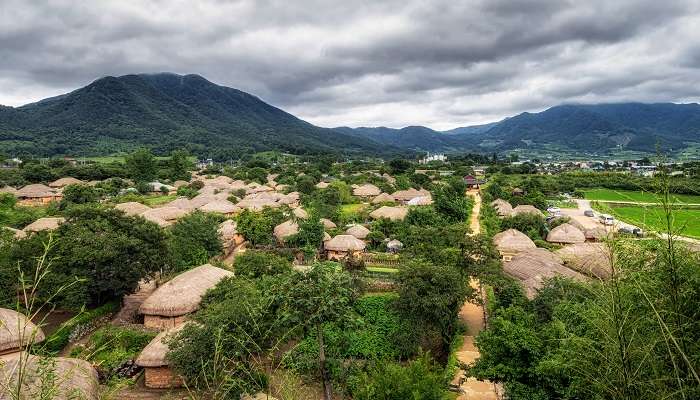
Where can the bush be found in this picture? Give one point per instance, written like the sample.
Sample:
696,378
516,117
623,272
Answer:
255,264
84,321
194,239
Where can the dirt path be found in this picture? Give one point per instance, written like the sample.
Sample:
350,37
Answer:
472,316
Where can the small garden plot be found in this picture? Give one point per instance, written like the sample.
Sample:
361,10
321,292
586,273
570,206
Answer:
637,196
686,221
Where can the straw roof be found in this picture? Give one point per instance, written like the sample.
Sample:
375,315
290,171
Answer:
389,178
155,353
527,209
344,243
532,267
406,195
75,379
566,233
598,233
394,245
259,188
383,198
201,199
285,229
326,236
220,206
227,230
17,233
322,185
328,224
45,224
182,203
157,220
300,213
588,258
392,213
503,208
512,241
63,182
132,208
17,331
36,190
166,213
366,190
179,184
358,231
8,189
182,294
421,201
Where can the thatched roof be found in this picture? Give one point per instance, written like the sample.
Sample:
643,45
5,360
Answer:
158,186
74,378
566,233
154,354
366,190
328,224
406,195
36,190
202,199
166,213
344,243
285,229
227,230
588,258
45,224
8,189
392,213
383,198
257,204
421,201
182,294
300,213
389,178
17,331
512,241
17,233
220,206
598,233
394,245
259,188
532,267
63,182
322,185
503,208
132,208
527,209
182,203
326,237
358,231
179,184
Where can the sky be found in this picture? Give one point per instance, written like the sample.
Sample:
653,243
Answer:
441,64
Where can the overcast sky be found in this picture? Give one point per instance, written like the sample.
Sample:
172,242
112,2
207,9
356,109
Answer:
437,63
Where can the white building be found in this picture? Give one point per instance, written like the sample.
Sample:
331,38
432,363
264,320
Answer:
434,157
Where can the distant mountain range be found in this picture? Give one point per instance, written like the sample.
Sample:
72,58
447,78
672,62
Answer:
168,111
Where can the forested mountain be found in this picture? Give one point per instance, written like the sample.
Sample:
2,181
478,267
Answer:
574,128
163,111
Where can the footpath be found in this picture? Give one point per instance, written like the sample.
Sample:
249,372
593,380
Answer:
473,316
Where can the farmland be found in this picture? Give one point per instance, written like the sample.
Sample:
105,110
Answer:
686,221
636,196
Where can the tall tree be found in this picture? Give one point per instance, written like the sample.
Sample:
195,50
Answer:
141,165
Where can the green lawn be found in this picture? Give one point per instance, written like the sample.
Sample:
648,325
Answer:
347,210
157,200
686,221
636,196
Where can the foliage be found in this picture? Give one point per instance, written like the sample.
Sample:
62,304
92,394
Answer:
257,227
194,239
179,165
141,165
253,264
450,201
530,224
310,232
78,194
58,340
15,216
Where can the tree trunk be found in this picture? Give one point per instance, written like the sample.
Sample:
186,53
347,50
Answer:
327,391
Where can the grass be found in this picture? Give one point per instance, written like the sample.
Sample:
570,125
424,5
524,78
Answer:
382,270
636,196
121,159
686,221
563,203
347,210
156,200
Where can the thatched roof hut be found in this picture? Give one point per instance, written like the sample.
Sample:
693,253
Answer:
588,258
366,190
132,208
407,195
179,184
421,201
17,233
166,213
394,246
227,230
75,379
155,353
344,243
8,189
326,237
597,234
259,188
503,208
221,207
285,229
532,267
45,224
566,233
182,203
527,209
358,231
36,190
182,294
300,213
63,182
17,331
512,241
383,198
328,224
322,185
257,204
392,213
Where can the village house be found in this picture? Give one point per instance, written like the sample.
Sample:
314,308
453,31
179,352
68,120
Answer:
37,194
17,332
342,246
155,364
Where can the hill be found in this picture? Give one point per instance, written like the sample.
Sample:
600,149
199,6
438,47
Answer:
164,112
576,129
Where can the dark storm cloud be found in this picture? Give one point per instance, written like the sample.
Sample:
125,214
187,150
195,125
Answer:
440,63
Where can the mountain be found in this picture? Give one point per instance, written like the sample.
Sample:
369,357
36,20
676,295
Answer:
164,111
580,129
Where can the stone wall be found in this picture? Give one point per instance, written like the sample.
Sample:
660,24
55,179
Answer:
162,323
161,378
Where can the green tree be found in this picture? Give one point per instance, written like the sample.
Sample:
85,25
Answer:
78,194
141,165
254,264
179,165
450,201
257,227
419,379
194,239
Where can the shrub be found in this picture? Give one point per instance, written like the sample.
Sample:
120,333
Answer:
255,264
84,321
194,239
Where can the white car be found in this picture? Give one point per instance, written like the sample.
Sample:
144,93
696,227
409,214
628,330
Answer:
607,219
555,211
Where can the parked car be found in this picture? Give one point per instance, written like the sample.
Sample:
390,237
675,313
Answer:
607,219
589,213
555,211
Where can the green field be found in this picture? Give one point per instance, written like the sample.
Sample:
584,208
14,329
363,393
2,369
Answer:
686,222
636,196
347,210
120,159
